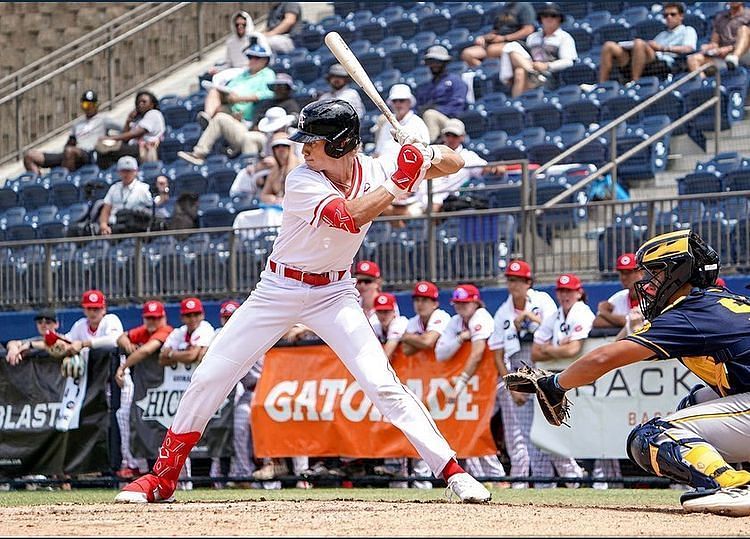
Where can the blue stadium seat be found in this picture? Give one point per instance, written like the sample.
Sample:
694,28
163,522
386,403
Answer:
611,32
468,18
330,22
544,114
404,59
508,118
697,21
13,216
736,180
41,215
34,195
55,175
615,240
176,116
391,13
305,71
454,37
389,44
94,189
169,147
373,31
580,73
585,112
646,29
8,198
84,174
375,62
436,22
73,213
51,230
543,152
20,232
595,152
221,180
23,179
597,19
190,182
493,101
423,41
614,107
385,80
359,17
568,134
699,182
310,38
690,211
64,194
216,217
208,201
633,15
583,37
360,46
717,232
476,122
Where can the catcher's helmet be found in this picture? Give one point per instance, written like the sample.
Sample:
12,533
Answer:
669,261
334,121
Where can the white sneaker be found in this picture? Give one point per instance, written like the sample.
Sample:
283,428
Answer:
732,61
467,489
732,501
191,157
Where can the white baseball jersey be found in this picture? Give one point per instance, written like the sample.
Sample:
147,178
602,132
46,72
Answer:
179,339
505,334
480,327
384,141
393,332
621,302
307,193
110,326
575,326
438,321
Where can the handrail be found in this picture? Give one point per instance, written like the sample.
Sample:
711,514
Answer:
94,52
65,49
632,151
614,123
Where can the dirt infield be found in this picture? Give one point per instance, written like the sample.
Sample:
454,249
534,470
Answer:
427,516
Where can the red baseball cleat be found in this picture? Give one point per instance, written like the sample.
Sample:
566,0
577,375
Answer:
148,489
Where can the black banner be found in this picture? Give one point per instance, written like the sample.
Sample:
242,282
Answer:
157,393
50,424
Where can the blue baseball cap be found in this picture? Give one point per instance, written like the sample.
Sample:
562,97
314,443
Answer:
257,50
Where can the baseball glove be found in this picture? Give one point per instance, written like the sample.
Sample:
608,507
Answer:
72,366
553,402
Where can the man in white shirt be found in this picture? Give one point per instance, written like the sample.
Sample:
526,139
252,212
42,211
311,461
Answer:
128,194
368,282
402,103
428,324
389,327
339,81
615,311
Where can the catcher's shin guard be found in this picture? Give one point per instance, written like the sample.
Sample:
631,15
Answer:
687,460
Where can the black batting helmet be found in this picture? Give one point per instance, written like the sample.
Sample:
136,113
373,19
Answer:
334,121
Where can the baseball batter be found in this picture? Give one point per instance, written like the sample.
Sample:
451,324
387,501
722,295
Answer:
472,323
706,328
561,336
329,203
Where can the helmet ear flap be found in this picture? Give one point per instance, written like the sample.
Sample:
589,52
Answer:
705,262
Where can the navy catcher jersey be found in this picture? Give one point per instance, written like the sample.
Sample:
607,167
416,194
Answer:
709,332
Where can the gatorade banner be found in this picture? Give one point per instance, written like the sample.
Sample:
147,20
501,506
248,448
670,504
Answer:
50,424
157,391
307,403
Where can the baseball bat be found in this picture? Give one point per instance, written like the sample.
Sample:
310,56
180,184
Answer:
349,61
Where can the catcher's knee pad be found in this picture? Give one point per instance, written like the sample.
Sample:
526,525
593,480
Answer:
665,458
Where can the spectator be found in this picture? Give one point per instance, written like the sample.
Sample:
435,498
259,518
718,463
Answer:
248,181
514,22
369,281
614,312
239,95
547,51
185,213
472,323
46,320
339,80
658,56
242,26
79,148
515,322
282,18
388,325
276,120
561,337
236,134
137,344
143,131
443,97
730,40
402,102
282,87
128,194
161,197
187,345
284,160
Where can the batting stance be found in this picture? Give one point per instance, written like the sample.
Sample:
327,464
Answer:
329,203
707,328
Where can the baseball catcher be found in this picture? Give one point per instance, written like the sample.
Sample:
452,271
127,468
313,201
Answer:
707,328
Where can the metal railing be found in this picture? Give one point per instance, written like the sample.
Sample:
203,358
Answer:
41,100
446,247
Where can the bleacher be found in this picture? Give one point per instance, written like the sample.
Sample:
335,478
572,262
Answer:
389,39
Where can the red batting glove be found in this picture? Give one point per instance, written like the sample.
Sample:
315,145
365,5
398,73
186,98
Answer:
409,173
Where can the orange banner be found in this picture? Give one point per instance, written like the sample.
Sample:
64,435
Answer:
307,403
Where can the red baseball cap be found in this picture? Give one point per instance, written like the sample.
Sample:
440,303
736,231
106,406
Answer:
626,261
228,307
191,305
367,267
465,293
385,302
568,281
93,299
153,309
518,268
425,289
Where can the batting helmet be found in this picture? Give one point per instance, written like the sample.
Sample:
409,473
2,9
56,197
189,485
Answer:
670,261
334,121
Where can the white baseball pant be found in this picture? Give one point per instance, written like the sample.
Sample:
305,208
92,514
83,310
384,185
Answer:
334,314
123,422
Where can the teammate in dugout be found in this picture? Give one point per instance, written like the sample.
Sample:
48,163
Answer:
328,206
706,328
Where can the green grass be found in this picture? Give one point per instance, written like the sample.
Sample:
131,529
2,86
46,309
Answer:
585,497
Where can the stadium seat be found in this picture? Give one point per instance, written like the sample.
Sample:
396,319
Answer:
305,71
736,180
175,116
373,31
544,114
543,152
646,29
23,179
190,182
508,118
64,194
615,240
403,59
41,215
94,189
580,73
83,174
73,213
55,175
611,32
614,107
596,19
717,232
583,37
34,195
568,134
436,22
20,232
359,17
385,80
585,112
216,217
468,18
633,15
8,199
50,230
476,122
221,180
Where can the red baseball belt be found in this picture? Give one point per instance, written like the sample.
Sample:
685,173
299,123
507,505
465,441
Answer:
313,279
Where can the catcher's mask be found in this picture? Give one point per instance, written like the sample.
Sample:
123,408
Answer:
669,261
334,121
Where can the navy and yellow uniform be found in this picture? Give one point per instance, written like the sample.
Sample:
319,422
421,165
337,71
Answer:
709,332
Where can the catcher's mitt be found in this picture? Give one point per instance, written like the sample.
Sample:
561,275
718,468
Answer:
553,402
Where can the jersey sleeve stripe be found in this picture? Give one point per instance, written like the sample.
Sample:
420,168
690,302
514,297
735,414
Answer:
663,354
319,208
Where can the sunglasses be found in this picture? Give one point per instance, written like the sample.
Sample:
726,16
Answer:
671,14
45,321
366,281
240,25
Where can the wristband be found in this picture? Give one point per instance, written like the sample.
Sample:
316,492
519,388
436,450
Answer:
437,155
393,189
171,353
557,383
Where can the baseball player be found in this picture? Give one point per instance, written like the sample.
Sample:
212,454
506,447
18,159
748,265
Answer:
389,326
328,206
561,336
185,346
706,328
368,282
137,344
472,323
613,312
45,320
515,322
